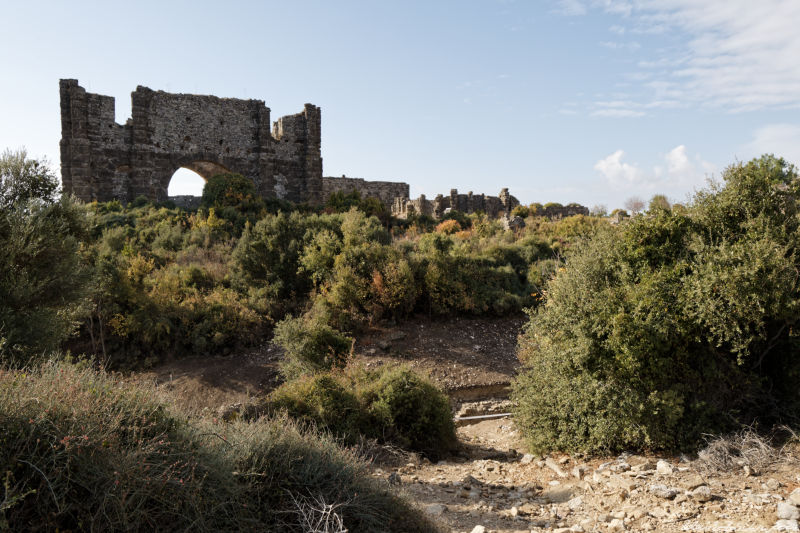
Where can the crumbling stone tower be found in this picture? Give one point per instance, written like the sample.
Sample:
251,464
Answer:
102,160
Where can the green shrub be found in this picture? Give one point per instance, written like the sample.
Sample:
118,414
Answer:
390,404
310,346
408,409
672,325
81,450
44,282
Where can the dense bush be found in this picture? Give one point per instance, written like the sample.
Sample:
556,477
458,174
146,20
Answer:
390,404
676,324
81,451
310,346
43,279
43,282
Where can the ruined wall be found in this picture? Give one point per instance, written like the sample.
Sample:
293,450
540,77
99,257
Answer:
493,206
385,191
563,211
102,160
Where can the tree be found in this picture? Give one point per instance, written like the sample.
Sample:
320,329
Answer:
599,210
23,179
43,280
634,204
659,201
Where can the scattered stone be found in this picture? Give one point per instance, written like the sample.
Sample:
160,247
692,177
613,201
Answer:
620,467
616,525
663,467
575,503
702,494
773,484
435,509
578,472
794,497
662,491
478,529
788,511
554,467
644,467
786,525
527,459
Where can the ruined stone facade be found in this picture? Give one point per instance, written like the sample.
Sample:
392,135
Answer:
493,206
385,191
102,160
562,211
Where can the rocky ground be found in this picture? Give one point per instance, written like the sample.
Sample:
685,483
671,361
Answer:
493,487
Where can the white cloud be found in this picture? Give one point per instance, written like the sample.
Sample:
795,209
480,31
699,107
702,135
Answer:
738,55
616,45
571,8
783,140
616,112
617,172
676,174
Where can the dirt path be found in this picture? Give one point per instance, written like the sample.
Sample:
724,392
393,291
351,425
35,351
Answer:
491,485
494,487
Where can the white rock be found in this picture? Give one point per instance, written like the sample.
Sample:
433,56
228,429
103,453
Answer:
552,465
527,459
620,467
616,525
478,529
663,467
702,493
787,511
435,509
786,525
662,491
794,497
575,503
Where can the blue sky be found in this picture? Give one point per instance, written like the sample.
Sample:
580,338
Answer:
591,101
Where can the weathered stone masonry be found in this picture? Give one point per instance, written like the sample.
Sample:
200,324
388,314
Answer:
385,191
102,160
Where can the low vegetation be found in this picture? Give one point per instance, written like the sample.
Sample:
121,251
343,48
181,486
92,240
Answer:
676,324
81,450
390,404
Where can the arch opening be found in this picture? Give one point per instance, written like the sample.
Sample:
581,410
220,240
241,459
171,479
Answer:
186,182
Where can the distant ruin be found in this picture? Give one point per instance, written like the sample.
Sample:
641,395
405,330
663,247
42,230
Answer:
103,161
493,206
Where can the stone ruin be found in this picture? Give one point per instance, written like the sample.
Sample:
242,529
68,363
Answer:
493,206
103,161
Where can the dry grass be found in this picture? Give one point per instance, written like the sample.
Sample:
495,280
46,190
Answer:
82,450
746,448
